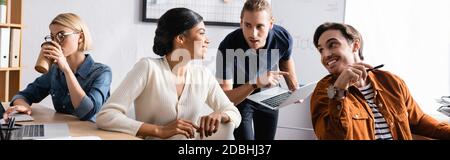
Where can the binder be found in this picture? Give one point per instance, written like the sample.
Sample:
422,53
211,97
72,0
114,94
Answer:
4,47
3,11
14,48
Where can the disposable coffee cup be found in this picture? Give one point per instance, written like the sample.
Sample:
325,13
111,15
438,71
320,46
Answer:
43,64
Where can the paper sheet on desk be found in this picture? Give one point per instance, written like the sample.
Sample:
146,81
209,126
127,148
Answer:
443,102
23,117
445,110
75,138
20,118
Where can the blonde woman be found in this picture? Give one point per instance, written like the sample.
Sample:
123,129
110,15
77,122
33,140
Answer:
169,94
78,85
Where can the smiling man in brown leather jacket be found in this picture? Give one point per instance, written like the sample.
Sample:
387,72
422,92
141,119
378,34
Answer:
355,103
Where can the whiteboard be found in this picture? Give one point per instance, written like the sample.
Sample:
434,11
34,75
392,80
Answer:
214,12
301,18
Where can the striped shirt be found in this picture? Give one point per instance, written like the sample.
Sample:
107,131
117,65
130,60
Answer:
382,131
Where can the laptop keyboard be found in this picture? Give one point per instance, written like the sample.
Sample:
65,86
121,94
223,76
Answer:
33,130
277,100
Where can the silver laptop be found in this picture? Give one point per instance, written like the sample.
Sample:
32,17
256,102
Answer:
44,131
277,97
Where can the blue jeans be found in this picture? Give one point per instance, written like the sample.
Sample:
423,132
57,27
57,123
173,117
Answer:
264,120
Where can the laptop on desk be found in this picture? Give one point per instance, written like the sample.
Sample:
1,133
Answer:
45,131
39,131
277,97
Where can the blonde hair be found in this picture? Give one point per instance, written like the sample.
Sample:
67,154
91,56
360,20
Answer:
75,23
256,5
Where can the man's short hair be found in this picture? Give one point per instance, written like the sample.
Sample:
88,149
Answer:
255,6
348,31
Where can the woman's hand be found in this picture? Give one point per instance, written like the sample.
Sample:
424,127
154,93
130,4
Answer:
210,124
178,126
16,109
54,52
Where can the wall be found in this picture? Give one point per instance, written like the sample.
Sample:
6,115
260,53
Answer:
411,40
120,38
301,18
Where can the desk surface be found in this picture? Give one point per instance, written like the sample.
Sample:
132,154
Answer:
77,128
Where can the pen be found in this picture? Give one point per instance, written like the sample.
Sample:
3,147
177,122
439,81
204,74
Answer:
1,132
374,68
11,124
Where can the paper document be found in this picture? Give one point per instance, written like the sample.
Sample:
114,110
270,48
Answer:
74,138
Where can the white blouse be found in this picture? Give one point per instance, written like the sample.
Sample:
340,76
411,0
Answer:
151,85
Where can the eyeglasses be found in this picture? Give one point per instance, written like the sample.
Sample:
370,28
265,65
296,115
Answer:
60,36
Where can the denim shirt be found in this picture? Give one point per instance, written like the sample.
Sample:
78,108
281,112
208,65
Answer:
94,78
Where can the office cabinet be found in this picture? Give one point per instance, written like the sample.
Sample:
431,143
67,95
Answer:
10,48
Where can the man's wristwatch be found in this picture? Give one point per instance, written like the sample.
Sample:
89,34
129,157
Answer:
335,93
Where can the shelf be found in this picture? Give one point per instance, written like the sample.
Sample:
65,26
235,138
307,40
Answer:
10,25
4,85
14,83
3,25
10,77
15,16
10,69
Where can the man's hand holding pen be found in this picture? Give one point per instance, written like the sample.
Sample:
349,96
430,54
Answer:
355,74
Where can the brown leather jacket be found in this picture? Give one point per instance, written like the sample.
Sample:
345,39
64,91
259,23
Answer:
352,118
